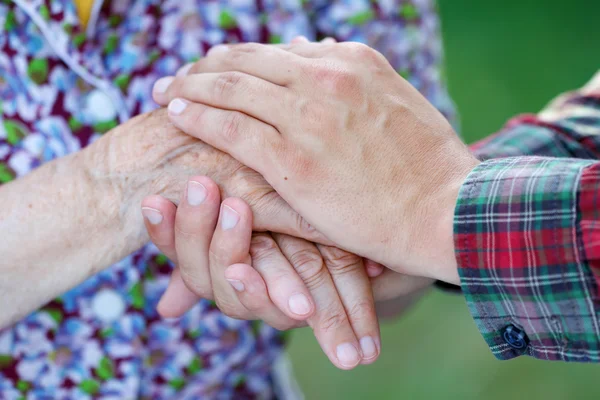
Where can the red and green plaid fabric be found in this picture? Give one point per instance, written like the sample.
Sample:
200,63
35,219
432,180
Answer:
527,232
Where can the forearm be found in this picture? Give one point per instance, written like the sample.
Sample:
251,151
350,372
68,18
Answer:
60,225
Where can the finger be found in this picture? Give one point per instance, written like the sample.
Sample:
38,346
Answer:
273,214
184,70
330,322
246,139
230,90
230,245
310,50
330,49
263,61
252,292
390,285
177,299
286,289
194,226
300,39
374,269
159,218
354,289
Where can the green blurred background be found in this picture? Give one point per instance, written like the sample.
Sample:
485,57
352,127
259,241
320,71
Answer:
503,58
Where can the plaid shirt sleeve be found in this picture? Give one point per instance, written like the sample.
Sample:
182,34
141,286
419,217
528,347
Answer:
527,233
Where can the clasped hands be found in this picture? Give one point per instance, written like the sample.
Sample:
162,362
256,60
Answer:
351,147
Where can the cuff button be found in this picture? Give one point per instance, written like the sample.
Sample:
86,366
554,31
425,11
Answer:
515,337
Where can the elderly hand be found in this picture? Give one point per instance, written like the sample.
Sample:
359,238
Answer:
148,154
289,282
249,276
350,145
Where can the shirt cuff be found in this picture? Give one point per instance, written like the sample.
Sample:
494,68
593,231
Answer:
522,260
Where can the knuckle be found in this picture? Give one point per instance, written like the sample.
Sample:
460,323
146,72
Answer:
333,321
361,310
309,265
360,51
312,113
337,78
339,261
196,118
305,229
262,246
231,126
226,84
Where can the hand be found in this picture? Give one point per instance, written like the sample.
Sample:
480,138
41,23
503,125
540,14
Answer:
347,142
147,154
249,276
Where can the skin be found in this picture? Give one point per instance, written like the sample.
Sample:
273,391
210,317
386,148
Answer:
335,116
77,215
343,315
181,232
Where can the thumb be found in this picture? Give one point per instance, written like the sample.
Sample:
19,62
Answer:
177,299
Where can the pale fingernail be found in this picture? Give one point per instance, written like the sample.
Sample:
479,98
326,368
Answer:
328,40
163,84
299,304
237,285
183,71
374,271
229,218
300,39
177,106
348,355
152,215
217,49
368,347
196,193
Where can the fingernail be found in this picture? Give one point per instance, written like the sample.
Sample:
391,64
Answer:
229,218
374,271
183,71
347,355
163,84
152,215
368,347
217,49
196,193
237,285
328,40
177,106
300,39
299,304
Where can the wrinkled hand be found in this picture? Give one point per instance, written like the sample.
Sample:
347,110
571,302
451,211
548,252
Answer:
346,141
249,275
148,154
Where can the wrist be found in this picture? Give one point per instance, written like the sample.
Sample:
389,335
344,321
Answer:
425,245
113,190
446,267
